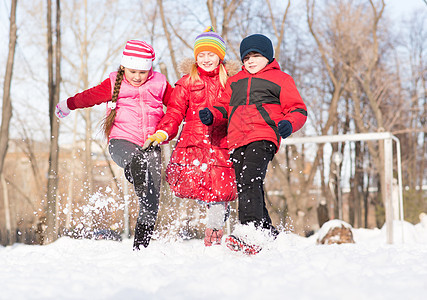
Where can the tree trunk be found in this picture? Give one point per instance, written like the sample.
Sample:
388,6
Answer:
7,215
88,153
279,33
53,86
7,111
70,194
7,104
87,112
168,39
358,183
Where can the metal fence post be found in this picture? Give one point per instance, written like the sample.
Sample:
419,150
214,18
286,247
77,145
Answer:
388,189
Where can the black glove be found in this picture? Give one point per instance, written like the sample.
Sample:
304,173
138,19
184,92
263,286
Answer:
206,116
285,128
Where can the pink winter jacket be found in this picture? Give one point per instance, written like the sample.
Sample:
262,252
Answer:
139,109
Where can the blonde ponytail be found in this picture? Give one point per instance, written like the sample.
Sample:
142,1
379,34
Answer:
194,74
223,75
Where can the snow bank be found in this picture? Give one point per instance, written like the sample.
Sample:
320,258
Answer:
291,267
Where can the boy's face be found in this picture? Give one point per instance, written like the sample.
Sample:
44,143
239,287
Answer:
254,62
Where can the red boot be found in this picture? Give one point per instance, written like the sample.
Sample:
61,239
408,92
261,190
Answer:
213,237
239,245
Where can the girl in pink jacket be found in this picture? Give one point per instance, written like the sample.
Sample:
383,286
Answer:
135,96
200,168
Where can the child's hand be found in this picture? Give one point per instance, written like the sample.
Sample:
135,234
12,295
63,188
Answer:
206,116
62,110
155,139
285,128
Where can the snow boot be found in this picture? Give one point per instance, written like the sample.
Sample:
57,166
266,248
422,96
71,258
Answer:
143,233
213,237
238,245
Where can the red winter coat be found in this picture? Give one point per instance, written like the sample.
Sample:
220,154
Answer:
199,167
255,103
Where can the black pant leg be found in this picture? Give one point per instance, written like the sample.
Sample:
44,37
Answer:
147,179
250,163
149,203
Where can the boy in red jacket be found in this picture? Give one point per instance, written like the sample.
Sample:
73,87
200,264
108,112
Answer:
261,105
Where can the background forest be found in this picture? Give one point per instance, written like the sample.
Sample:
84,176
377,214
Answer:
358,68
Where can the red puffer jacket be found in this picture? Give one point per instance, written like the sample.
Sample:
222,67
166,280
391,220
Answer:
253,105
199,167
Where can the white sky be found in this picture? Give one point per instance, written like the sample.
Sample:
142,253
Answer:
403,8
399,7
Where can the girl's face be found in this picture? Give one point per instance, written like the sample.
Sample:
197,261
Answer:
254,62
207,60
136,77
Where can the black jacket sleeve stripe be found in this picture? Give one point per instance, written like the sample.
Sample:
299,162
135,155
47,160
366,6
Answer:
269,121
222,111
300,110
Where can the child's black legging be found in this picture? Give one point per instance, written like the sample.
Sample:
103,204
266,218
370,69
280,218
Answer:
122,152
250,165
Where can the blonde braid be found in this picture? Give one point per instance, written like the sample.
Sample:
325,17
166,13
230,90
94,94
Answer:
109,120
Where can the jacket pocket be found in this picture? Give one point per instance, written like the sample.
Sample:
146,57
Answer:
197,93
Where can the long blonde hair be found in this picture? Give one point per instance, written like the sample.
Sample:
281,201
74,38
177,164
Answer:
194,74
108,121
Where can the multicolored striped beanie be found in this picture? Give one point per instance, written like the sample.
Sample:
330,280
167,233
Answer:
209,40
138,55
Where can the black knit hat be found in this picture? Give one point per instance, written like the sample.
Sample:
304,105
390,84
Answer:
257,43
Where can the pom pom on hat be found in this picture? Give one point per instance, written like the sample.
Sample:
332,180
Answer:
138,55
211,41
257,43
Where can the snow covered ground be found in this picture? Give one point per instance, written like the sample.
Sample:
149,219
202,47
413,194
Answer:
291,268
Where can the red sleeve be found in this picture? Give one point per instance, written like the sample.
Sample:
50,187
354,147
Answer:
167,94
90,97
221,107
293,106
175,112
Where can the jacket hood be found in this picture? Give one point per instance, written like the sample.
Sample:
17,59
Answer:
232,66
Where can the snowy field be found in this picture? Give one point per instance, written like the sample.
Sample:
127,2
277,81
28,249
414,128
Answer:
291,268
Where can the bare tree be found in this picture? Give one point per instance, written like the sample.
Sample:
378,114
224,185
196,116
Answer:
279,32
54,80
300,207
7,110
87,113
416,130
168,38
368,78
229,8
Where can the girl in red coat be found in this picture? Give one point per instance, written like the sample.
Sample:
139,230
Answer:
200,168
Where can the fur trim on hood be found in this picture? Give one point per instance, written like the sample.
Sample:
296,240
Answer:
232,66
